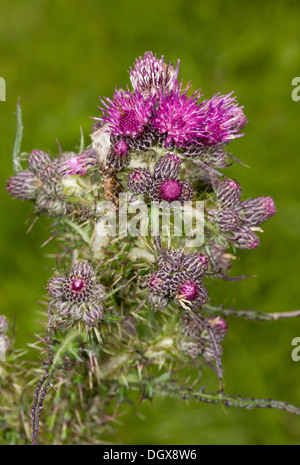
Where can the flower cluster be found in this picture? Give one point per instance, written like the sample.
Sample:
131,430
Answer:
41,184
235,218
159,111
164,185
78,296
178,277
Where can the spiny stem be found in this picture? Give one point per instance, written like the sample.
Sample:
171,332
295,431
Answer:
251,314
225,399
44,383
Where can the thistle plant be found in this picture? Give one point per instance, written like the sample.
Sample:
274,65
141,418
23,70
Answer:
128,307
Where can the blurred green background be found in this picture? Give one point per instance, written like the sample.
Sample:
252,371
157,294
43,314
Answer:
59,57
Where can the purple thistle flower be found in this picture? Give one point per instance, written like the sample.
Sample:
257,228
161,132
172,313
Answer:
151,75
169,190
121,147
256,211
165,186
222,119
228,193
188,290
127,115
78,295
184,288
177,118
79,164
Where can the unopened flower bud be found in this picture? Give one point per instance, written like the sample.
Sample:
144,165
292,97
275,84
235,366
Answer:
191,349
209,352
158,301
226,220
255,211
23,185
83,269
158,282
55,287
51,206
167,167
195,264
139,180
169,261
37,160
244,238
228,193
219,258
215,158
92,314
219,328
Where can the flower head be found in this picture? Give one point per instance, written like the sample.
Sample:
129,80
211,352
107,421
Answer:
79,164
165,186
151,76
127,115
78,296
178,119
221,120
186,289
